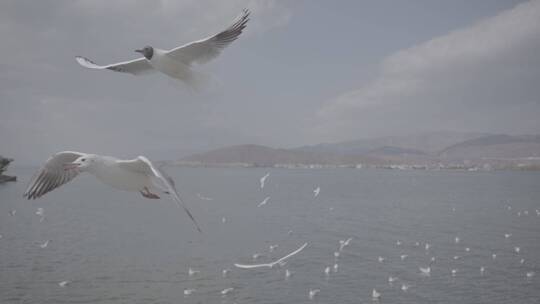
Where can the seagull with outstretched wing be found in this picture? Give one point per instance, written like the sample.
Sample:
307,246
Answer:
138,175
177,62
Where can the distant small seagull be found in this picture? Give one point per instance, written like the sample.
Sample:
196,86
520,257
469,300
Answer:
13,212
391,279
344,243
177,62
264,202
517,249
427,270
526,212
507,235
288,273
226,291
223,220
398,243
188,292
493,256
316,191
327,271
45,244
335,268
225,272
457,257
530,274
64,283
519,213
416,244
509,208
537,212
271,248
192,272
403,256
255,256
204,198
39,212
405,287
522,261
375,295
427,246
380,259
454,271
289,232
263,180
336,255
280,261
456,239
138,175
467,249
312,293
482,270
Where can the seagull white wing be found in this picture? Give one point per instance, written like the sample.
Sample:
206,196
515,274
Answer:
160,180
52,175
270,265
244,266
134,67
291,254
204,50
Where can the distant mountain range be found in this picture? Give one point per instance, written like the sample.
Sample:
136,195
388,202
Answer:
427,142
437,149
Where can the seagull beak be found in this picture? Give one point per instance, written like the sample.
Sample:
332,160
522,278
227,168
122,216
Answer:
71,166
139,51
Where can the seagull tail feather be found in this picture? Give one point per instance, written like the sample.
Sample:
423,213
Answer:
181,204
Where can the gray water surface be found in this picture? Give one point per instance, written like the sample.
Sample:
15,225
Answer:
117,247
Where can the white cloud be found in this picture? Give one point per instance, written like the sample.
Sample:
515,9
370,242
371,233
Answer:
449,82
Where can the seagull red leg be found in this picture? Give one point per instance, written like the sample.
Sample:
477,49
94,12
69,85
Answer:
146,193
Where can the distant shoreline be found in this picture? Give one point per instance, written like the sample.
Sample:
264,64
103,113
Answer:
400,167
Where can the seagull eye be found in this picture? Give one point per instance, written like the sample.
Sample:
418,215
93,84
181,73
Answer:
83,159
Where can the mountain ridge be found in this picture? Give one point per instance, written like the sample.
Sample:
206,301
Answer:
476,148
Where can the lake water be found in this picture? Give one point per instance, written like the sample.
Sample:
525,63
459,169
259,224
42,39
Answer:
117,247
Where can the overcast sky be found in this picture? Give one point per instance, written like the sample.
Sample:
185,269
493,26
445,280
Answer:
304,72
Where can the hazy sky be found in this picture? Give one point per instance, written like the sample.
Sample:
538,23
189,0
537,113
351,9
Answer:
304,72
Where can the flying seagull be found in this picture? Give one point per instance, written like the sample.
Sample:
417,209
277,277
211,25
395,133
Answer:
226,291
45,244
316,191
263,179
375,295
188,292
177,62
63,283
264,202
427,271
192,272
344,243
313,293
137,174
272,264
288,274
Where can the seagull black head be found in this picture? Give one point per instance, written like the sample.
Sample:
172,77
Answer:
147,52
